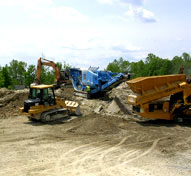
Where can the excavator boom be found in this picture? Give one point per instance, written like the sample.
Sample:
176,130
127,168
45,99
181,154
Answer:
46,62
60,76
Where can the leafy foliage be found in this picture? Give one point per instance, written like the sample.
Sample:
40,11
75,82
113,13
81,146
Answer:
119,65
6,77
152,66
29,75
18,73
2,80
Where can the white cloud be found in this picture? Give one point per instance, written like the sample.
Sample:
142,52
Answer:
141,13
44,9
125,48
135,9
146,15
26,3
58,14
134,2
122,2
59,32
106,1
94,52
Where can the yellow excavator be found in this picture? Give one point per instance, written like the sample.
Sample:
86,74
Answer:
42,105
161,97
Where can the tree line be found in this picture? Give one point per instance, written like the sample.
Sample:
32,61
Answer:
152,66
19,73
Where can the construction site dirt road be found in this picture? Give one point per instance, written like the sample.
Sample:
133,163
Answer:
102,142
96,145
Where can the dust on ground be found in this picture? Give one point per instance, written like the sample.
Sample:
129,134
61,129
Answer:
104,141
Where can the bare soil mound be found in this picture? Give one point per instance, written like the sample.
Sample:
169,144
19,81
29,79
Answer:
11,101
95,125
121,92
66,93
4,92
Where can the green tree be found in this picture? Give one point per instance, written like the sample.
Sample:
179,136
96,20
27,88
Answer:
186,57
118,66
187,64
113,66
17,72
30,75
66,66
137,69
176,63
47,76
2,81
155,65
6,77
63,66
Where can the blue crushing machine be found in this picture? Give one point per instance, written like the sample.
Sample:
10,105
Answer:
92,82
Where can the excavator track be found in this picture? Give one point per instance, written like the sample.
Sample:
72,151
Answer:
54,115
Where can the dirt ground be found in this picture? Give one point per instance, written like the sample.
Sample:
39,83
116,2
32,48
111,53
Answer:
96,145
101,142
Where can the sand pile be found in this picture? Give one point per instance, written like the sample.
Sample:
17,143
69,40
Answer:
95,125
120,94
66,93
4,92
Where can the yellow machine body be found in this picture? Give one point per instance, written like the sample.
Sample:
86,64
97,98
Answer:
37,108
161,97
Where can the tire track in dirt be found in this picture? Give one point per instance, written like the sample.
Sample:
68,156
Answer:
84,157
115,147
87,158
84,164
58,163
139,154
90,160
20,169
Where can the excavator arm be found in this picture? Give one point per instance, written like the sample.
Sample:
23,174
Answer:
46,62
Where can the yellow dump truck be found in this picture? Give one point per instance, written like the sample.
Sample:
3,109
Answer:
161,97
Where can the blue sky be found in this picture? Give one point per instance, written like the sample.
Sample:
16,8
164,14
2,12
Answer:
87,33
